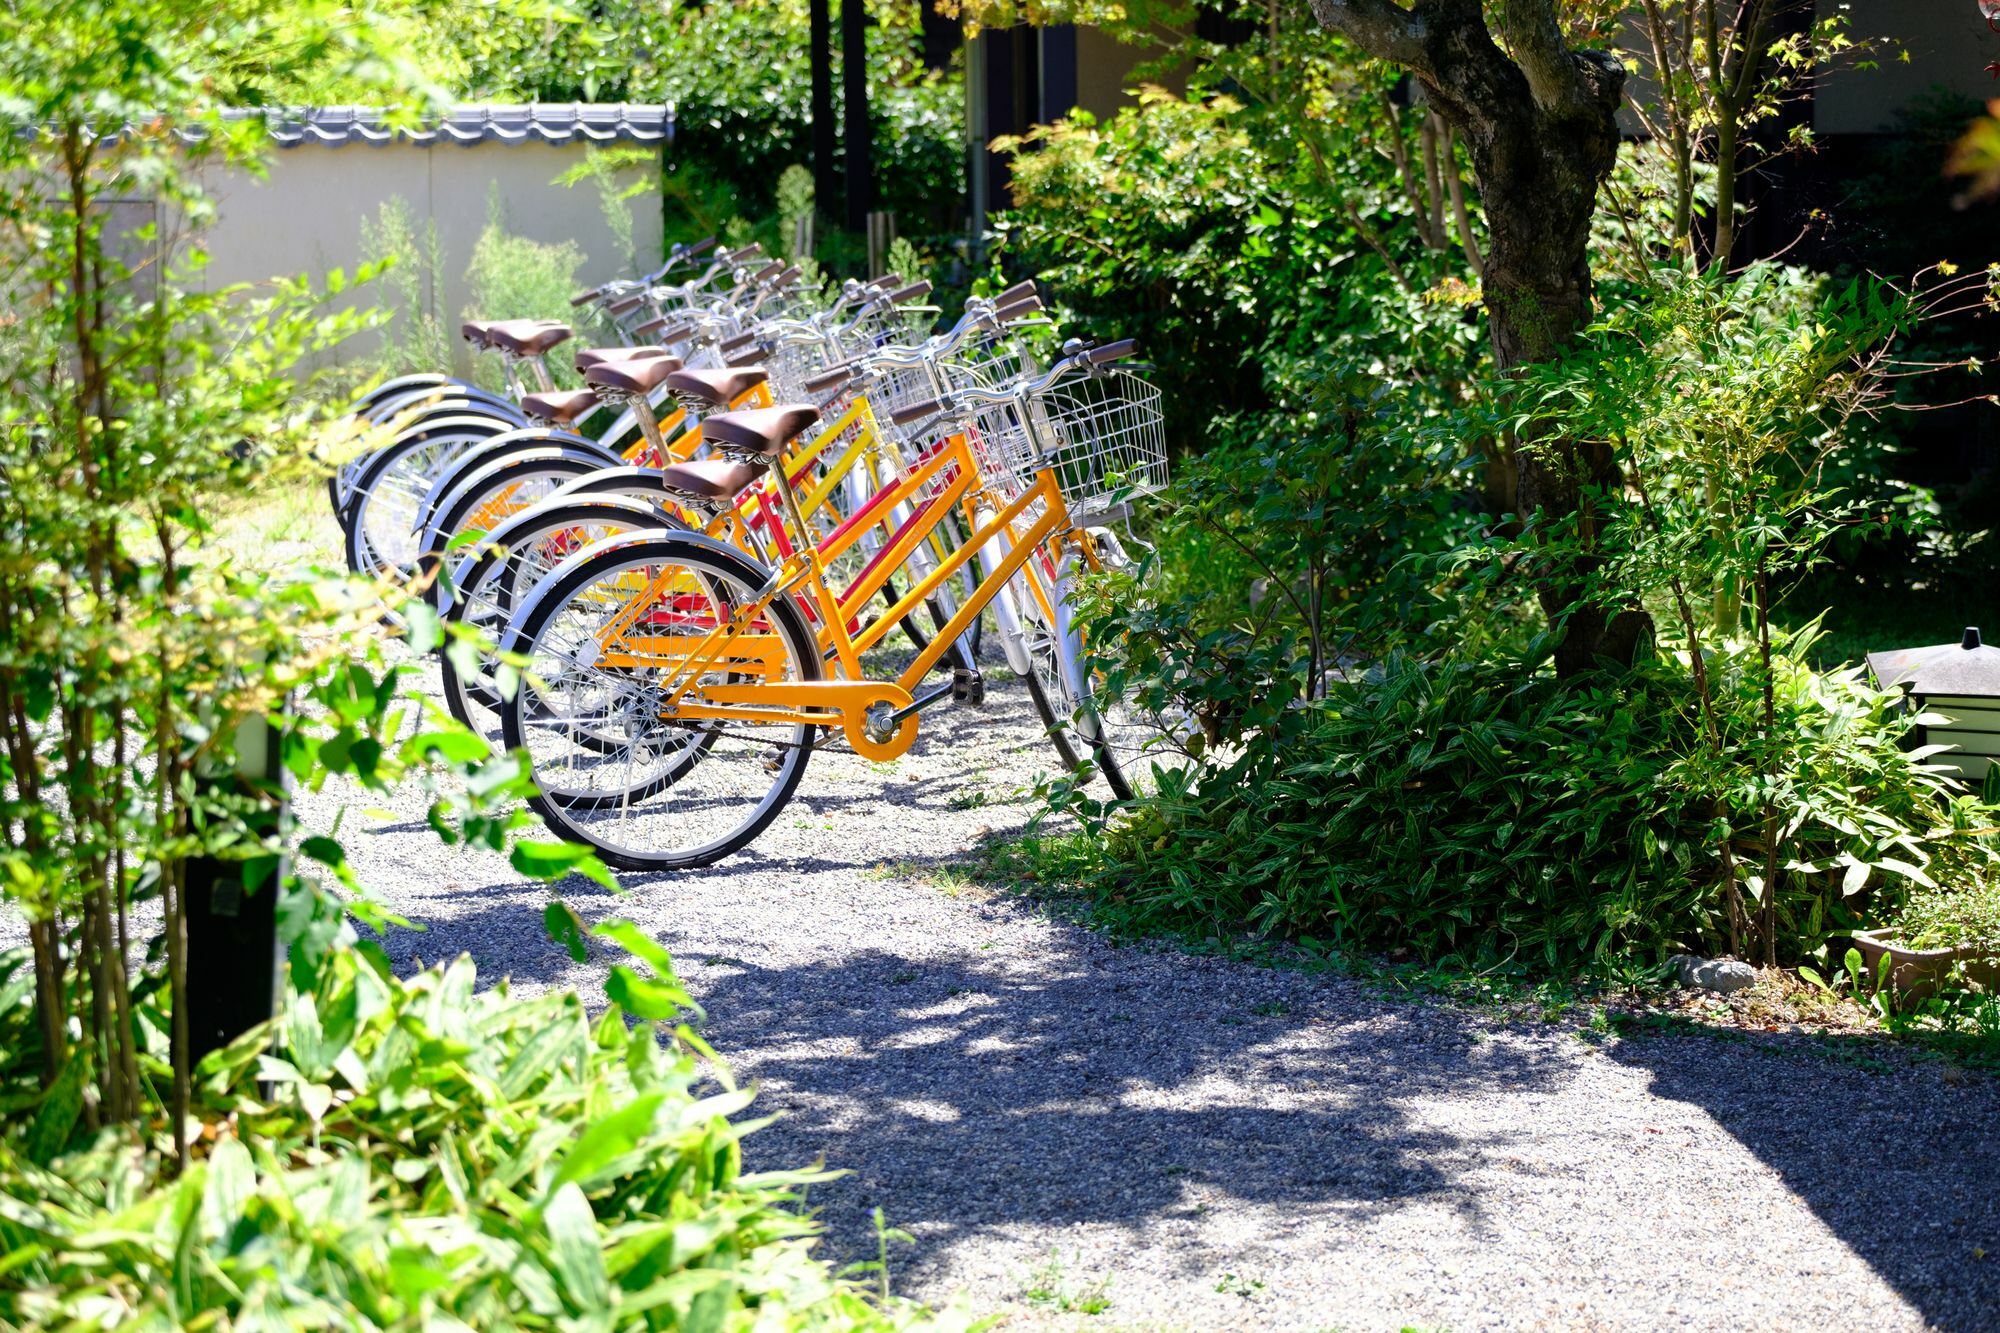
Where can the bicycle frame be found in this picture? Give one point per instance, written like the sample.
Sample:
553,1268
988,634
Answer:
851,702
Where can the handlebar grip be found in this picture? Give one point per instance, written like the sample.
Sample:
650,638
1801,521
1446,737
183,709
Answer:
1007,314
625,303
903,416
700,247
753,357
791,275
750,251
830,379
1017,292
768,272
914,292
585,298
886,281
1118,351
652,325
738,343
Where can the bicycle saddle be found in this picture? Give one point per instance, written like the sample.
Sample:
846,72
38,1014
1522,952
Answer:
639,376
586,357
762,430
526,337
560,409
711,478
717,388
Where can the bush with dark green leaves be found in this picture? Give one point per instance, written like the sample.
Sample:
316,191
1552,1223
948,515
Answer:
1384,756
736,74
1488,813
1200,227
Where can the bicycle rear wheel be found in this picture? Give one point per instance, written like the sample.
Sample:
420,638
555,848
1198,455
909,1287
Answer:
670,794
1139,742
488,586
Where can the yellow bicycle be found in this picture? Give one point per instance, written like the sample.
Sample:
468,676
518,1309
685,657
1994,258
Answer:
675,686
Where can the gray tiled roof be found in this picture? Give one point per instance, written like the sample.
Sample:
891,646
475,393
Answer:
538,122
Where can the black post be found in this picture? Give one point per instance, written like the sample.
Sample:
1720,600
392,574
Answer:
942,35
854,87
233,961
825,182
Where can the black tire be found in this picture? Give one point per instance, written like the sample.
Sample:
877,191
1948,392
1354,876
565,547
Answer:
1044,679
483,486
493,608
382,481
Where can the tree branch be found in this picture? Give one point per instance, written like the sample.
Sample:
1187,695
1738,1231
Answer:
1535,40
1382,28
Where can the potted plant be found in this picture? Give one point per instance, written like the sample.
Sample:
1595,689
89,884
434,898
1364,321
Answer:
1938,931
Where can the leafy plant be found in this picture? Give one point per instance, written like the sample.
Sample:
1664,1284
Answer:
131,650
410,258
1953,916
602,169
513,277
424,1153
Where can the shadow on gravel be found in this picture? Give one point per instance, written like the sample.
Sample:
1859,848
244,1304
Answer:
1902,1166
1098,1088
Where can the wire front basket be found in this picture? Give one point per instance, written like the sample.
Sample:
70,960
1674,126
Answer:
790,365
1103,435
990,358
893,388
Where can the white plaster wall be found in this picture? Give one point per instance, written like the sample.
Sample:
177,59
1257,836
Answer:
306,214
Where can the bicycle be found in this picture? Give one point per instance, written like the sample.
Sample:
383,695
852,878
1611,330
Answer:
675,686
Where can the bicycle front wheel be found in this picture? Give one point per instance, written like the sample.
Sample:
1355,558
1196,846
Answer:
1140,743
615,767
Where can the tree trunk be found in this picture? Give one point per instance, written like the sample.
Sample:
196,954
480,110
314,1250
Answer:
1541,129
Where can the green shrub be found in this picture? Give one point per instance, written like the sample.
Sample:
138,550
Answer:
420,1154
1953,916
1487,813
1385,759
512,277
414,337
736,75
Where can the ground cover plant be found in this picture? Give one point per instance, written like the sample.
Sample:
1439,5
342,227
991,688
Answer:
425,1152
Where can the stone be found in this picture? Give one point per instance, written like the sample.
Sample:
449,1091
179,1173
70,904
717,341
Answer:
1716,974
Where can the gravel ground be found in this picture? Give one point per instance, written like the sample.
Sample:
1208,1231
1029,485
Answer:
1061,1123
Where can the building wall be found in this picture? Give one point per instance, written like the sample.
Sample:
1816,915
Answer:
306,214
1949,46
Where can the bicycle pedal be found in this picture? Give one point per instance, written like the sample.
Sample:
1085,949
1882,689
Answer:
968,687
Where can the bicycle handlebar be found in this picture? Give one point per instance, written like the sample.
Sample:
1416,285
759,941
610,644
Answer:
1007,314
829,379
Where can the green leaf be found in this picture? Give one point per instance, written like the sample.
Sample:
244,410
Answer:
655,1001
607,1139
576,1251
421,627
637,943
553,860
566,928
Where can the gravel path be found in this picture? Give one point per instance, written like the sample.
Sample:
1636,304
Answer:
1062,1123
